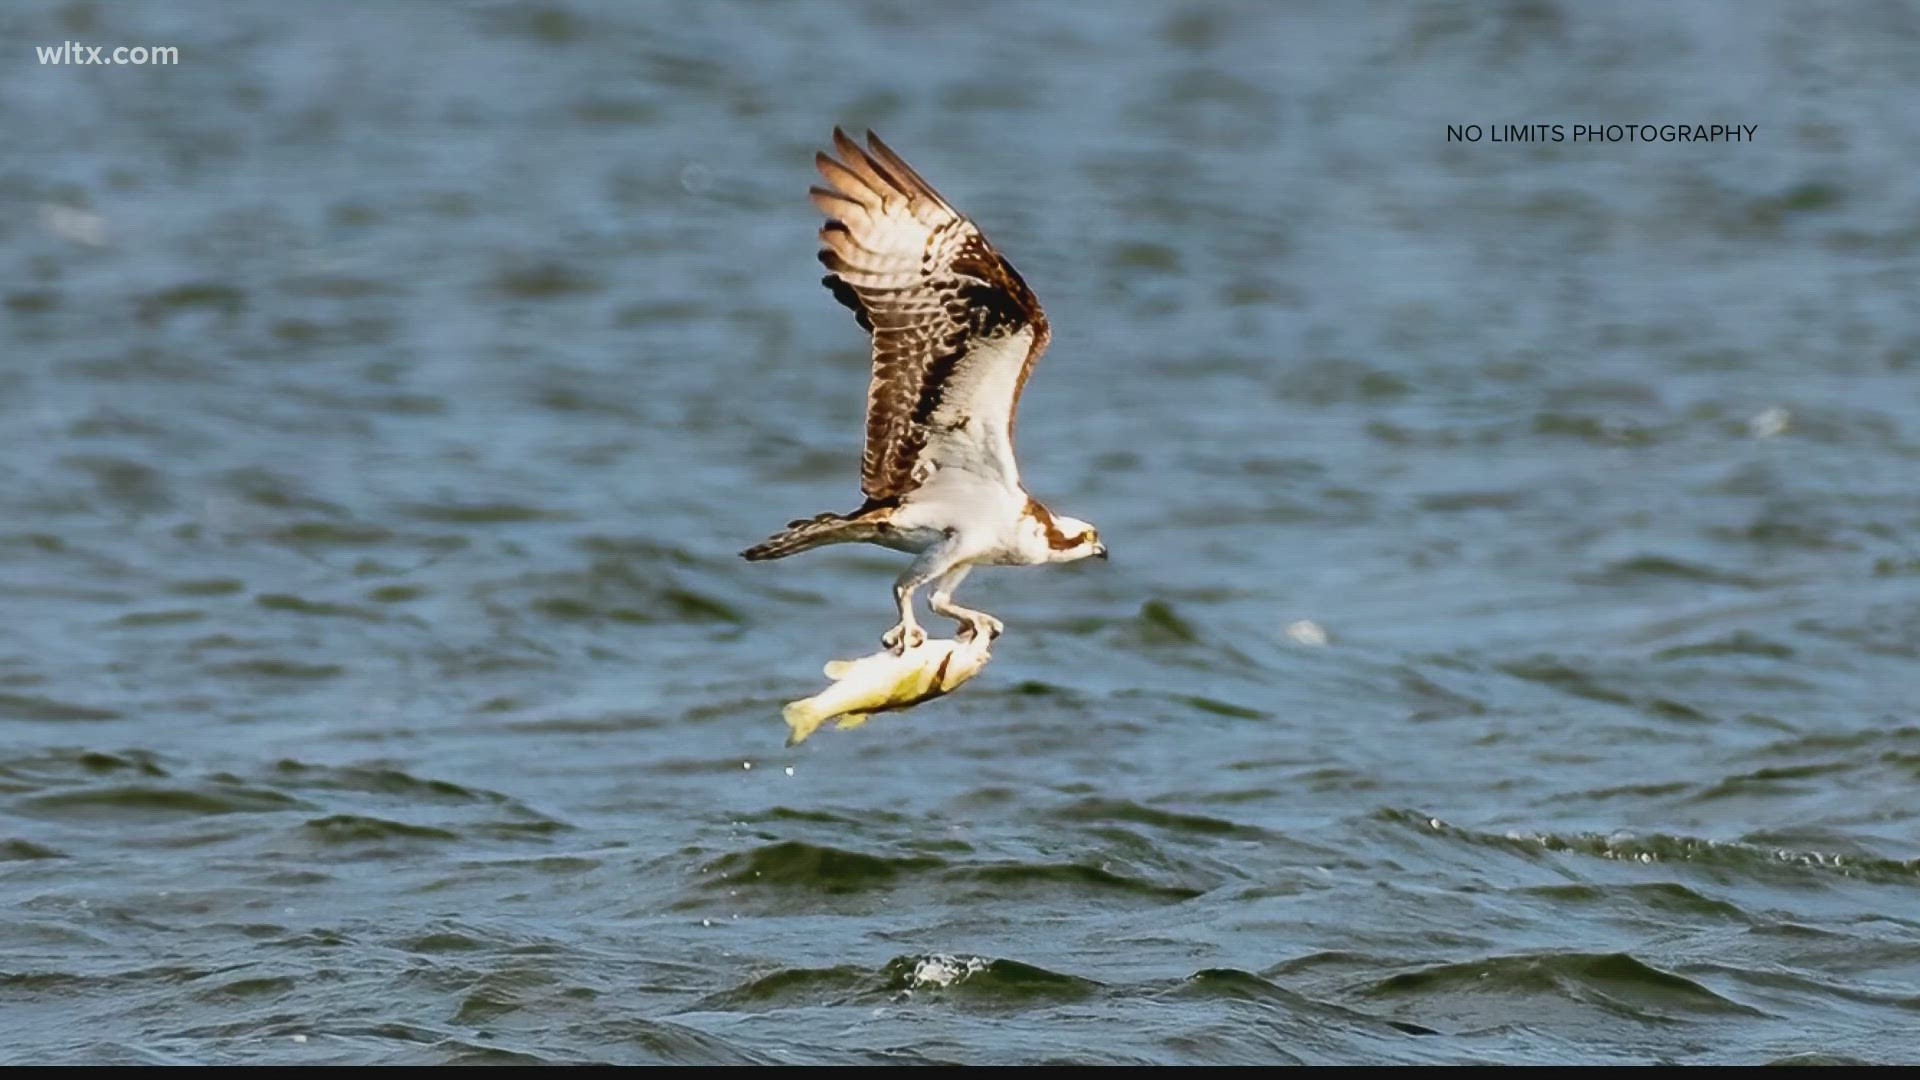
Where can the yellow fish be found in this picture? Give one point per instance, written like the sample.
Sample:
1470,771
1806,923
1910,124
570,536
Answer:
886,681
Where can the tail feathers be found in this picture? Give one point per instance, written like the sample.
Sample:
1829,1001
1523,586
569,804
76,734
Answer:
809,533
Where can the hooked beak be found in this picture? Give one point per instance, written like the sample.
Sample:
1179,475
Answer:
1100,552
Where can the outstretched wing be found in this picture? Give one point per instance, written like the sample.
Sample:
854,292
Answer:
955,330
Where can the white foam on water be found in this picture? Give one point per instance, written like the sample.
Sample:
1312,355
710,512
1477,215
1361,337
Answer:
1769,423
941,969
1307,632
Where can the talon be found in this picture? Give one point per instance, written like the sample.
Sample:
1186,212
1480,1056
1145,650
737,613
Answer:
994,627
903,637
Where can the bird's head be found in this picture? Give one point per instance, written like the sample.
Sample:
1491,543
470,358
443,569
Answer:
1051,538
1073,540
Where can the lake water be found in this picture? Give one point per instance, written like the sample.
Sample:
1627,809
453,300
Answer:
1508,652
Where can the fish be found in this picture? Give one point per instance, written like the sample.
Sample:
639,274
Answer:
886,681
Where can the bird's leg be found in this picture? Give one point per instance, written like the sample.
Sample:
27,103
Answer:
971,622
930,564
906,634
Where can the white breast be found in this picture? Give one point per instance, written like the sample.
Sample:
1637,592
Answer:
973,424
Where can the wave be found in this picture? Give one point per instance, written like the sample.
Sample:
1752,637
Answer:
1549,671
1618,982
1658,569
980,977
360,829
1237,985
143,801
1243,1009
1126,810
976,978
1080,878
1658,897
795,863
790,987
377,780
1737,855
322,609
817,816
1768,780
280,669
27,851
481,513
35,707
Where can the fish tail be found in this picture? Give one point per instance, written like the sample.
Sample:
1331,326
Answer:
803,719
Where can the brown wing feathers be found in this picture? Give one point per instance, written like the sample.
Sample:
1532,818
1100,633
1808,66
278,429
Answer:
924,281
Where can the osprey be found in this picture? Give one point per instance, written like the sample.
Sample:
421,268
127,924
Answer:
956,333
